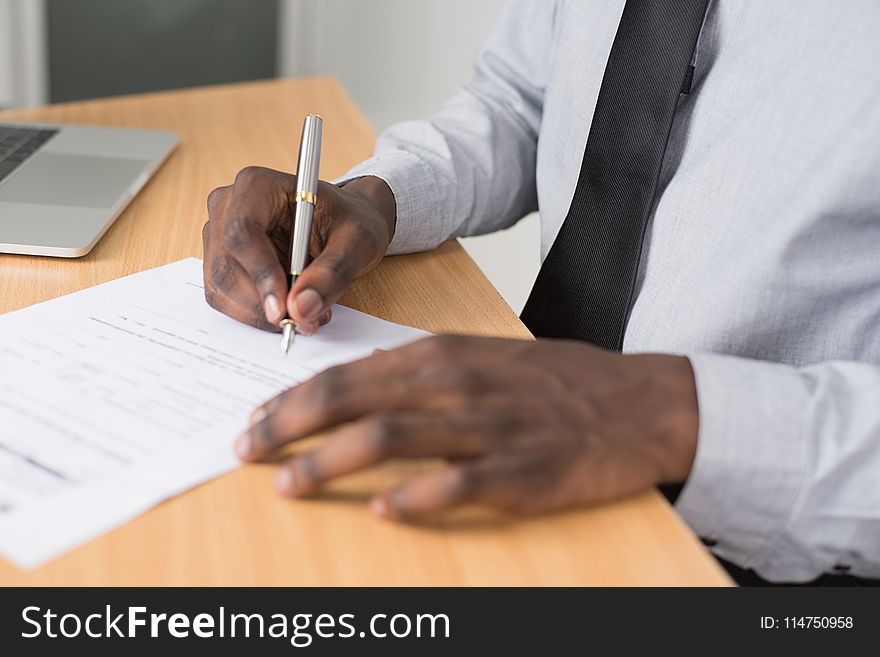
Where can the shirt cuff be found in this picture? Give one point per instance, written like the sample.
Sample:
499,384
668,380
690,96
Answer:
412,184
750,464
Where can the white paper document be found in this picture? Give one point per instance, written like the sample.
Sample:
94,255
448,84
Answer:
117,397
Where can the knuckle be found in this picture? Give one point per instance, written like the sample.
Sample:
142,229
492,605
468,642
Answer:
257,315
236,235
285,397
466,483
336,271
330,386
263,433
264,275
216,199
382,433
222,274
470,381
248,175
539,475
307,467
443,346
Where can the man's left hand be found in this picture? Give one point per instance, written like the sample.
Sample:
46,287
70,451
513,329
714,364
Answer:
529,426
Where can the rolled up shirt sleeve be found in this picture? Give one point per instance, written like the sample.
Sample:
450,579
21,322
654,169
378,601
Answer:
470,168
785,480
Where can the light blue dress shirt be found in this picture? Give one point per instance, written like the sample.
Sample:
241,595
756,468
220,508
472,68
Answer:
761,261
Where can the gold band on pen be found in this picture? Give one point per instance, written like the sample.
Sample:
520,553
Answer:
307,197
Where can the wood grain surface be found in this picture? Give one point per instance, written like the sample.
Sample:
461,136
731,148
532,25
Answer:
234,530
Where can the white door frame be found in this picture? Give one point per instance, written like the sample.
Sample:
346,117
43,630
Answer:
23,54
297,38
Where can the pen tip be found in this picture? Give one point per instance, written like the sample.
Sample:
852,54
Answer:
286,336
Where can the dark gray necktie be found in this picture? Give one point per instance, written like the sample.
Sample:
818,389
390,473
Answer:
585,286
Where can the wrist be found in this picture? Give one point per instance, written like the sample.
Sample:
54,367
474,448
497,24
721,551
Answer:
377,192
678,421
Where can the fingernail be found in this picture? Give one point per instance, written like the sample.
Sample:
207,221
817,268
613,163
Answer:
309,303
258,415
379,506
271,308
243,445
284,481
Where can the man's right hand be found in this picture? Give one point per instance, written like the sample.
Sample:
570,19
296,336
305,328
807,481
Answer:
247,242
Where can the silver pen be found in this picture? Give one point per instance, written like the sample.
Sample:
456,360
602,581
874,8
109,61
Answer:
306,196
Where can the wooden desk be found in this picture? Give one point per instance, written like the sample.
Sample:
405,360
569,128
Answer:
235,530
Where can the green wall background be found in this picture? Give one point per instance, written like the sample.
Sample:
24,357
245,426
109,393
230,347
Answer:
106,47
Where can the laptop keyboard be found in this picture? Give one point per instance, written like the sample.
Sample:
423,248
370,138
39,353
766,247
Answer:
17,144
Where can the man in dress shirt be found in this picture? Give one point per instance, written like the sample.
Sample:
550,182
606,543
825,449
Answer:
724,234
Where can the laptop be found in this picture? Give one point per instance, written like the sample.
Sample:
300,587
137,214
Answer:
62,187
